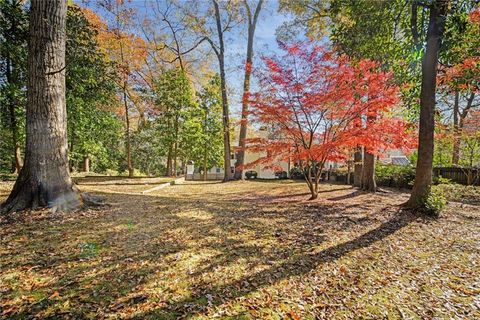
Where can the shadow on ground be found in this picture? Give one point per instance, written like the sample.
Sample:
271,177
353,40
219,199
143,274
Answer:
182,251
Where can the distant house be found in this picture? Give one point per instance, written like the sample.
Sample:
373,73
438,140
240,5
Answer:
195,172
395,157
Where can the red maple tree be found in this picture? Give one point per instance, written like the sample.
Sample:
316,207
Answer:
318,104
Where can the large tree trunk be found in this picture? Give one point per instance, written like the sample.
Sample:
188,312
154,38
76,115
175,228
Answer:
223,85
252,23
368,173
423,175
368,170
357,167
456,131
45,179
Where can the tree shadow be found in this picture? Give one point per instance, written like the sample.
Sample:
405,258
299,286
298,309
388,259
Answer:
347,196
145,241
295,266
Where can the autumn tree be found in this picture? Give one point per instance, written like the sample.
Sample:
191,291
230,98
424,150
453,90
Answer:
459,72
471,139
314,103
45,179
128,52
362,29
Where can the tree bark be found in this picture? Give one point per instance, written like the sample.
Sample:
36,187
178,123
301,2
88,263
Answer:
205,147
423,175
175,147
368,169
368,173
169,162
86,163
12,78
45,178
456,131
252,23
357,167
127,133
223,86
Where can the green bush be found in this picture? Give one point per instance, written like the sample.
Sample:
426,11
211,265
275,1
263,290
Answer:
395,176
459,193
435,202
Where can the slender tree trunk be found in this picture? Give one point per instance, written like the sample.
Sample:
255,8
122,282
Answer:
349,171
459,122
223,85
128,141
175,148
45,178
86,163
252,23
71,148
12,103
168,172
205,147
312,175
456,131
357,167
423,175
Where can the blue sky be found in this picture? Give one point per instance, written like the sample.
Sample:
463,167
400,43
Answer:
235,43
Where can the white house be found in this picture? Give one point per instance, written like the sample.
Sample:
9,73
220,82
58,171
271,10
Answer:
395,157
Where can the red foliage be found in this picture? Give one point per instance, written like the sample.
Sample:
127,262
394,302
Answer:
464,76
318,104
474,16
471,125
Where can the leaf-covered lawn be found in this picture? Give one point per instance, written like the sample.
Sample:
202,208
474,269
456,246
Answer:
242,250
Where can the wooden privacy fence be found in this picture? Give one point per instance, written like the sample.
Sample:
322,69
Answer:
468,176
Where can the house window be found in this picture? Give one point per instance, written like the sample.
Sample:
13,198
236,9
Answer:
232,169
232,156
218,170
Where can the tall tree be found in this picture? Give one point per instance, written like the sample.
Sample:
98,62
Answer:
45,179
90,95
128,51
423,173
220,53
213,25
174,101
210,152
252,24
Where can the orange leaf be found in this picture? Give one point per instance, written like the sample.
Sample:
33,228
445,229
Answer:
54,295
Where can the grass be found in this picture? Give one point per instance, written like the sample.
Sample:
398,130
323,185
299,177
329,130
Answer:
242,250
